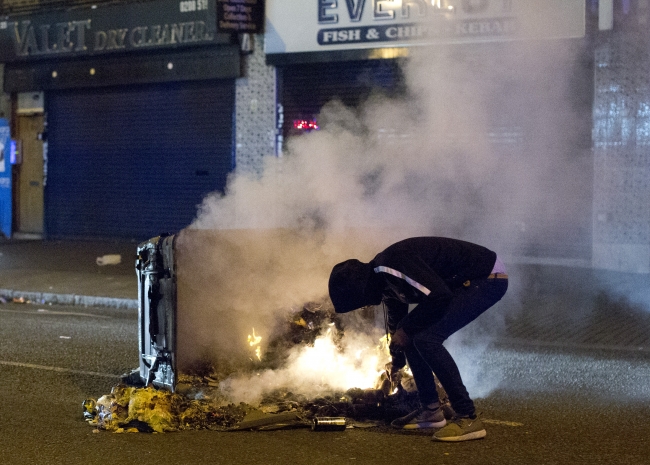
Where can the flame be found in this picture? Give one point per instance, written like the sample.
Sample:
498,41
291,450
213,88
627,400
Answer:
330,363
254,340
384,344
354,364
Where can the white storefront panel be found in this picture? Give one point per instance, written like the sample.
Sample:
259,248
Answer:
328,25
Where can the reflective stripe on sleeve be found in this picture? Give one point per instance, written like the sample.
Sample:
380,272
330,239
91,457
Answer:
415,284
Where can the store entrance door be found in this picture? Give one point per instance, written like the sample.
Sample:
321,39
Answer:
29,187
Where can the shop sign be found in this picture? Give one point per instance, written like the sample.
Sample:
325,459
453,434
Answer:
321,25
246,16
108,29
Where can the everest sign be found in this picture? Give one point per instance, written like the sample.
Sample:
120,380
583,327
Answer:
320,25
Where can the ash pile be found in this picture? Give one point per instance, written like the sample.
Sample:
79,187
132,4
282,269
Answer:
200,399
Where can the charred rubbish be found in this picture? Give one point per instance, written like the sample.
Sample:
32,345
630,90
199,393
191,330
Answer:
157,397
198,404
149,409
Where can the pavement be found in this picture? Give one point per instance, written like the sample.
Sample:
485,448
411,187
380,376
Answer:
67,272
554,385
541,397
552,306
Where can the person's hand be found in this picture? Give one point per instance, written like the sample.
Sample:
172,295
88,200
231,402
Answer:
395,376
399,341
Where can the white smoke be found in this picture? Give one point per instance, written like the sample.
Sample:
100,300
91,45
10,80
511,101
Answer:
437,162
319,369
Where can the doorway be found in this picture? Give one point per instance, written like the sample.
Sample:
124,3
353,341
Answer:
30,175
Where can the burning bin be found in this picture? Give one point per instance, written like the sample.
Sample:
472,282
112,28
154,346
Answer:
201,292
156,273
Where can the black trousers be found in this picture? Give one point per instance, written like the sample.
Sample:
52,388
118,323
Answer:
426,355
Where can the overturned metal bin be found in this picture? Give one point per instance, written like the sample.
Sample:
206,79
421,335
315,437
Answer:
157,304
201,292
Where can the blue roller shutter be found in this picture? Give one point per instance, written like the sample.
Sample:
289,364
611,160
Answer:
132,162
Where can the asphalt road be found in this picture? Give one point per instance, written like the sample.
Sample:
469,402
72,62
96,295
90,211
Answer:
547,406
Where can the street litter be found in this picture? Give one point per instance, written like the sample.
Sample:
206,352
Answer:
111,259
147,409
201,400
329,424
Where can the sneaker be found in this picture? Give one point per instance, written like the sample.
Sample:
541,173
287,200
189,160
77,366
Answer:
448,410
461,429
421,418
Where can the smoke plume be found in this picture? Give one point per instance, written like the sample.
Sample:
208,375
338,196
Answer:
455,156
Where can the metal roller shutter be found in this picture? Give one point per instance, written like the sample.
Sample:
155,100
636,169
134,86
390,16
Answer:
132,162
524,123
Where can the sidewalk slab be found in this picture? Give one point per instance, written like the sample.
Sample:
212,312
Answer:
70,299
68,273
70,282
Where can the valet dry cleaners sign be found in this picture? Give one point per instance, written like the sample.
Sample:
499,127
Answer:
320,25
106,29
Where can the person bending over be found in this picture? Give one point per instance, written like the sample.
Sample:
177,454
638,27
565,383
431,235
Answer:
451,282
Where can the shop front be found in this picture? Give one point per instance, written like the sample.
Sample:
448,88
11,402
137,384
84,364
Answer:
512,77
136,123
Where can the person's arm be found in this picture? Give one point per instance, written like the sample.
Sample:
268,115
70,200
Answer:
396,311
436,295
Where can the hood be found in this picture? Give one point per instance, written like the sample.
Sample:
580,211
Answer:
350,286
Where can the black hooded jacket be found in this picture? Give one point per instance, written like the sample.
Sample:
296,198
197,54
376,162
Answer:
425,271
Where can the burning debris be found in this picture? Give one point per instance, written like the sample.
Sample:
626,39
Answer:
302,328
296,367
201,400
147,409
200,406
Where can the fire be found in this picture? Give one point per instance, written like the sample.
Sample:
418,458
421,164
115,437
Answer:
384,343
354,364
254,341
330,363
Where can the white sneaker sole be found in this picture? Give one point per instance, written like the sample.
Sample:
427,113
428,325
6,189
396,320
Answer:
465,437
